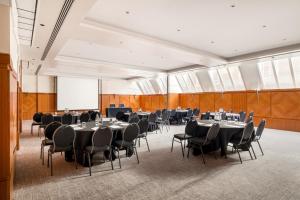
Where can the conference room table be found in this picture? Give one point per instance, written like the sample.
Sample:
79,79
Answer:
228,115
141,115
228,130
84,134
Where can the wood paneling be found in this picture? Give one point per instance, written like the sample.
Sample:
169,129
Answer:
239,101
8,125
173,100
223,100
259,103
207,102
285,105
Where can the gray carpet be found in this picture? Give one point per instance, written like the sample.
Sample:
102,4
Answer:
165,175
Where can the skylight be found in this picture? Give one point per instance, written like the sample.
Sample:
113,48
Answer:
215,79
236,76
225,77
296,69
267,75
283,72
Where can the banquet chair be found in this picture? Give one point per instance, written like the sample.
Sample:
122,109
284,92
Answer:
94,115
63,140
223,116
101,142
67,119
199,142
120,116
143,125
164,120
188,116
244,140
249,119
206,116
134,120
172,117
258,134
112,105
190,129
158,113
37,120
49,131
128,136
133,115
46,119
84,117
121,105
242,116
153,122
196,113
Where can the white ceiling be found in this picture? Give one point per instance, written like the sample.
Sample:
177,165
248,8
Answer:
128,38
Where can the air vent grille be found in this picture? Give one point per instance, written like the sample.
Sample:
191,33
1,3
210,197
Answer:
60,20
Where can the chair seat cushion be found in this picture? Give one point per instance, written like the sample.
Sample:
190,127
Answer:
36,123
182,136
120,143
198,140
141,135
46,142
60,149
152,123
96,149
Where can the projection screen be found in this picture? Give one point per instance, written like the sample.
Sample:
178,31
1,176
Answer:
77,93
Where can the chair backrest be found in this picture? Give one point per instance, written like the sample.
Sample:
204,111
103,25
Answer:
102,137
94,114
133,115
249,119
242,116
165,115
67,118
173,113
37,117
84,117
134,120
191,127
212,133
131,132
260,128
158,113
120,116
143,125
196,112
251,114
223,116
121,105
50,129
112,105
47,119
189,113
63,138
164,110
206,115
152,117
247,132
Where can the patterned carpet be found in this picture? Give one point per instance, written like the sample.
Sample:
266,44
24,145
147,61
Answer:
165,175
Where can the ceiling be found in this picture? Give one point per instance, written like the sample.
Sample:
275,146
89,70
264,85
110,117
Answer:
138,38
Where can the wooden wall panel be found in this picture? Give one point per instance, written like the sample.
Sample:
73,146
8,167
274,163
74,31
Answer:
239,101
134,102
259,103
207,102
285,104
125,99
29,105
105,103
163,102
223,100
154,103
46,102
173,100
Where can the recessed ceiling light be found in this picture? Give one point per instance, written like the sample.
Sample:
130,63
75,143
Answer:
235,50
178,30
33,59
37,47
127,12
264,26
232,6
121,42
284,39
42,24
212,42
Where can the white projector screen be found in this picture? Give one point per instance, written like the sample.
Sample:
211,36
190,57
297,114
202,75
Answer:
77,93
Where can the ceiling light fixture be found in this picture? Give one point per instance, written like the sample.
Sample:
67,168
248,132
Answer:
178,30
212,42
42,24
37,47
264,26
127,12
232,6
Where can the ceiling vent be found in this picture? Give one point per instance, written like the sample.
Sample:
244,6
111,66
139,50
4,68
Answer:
60,20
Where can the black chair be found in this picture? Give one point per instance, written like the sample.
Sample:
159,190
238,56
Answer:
94,115
143,125
46,119
196,113
133,115
258,134
242,116
223,116
153,122
49,131
199,142
120,116
134,120
67,119
158,113
37,120
112,105
244,140
164,121
249,119
129,135
190,130
101,142
173,117
206,116
121,105
188,116
84,117
63,140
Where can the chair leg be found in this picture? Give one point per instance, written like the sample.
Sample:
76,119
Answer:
119,158
147,143
203,159
41,151
51,164
139,142
250,153
260,148
110,158
48,159
253,151
239,155
89,160
31,129
188,154
182,149
75,157
172,144
39,130
137,156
